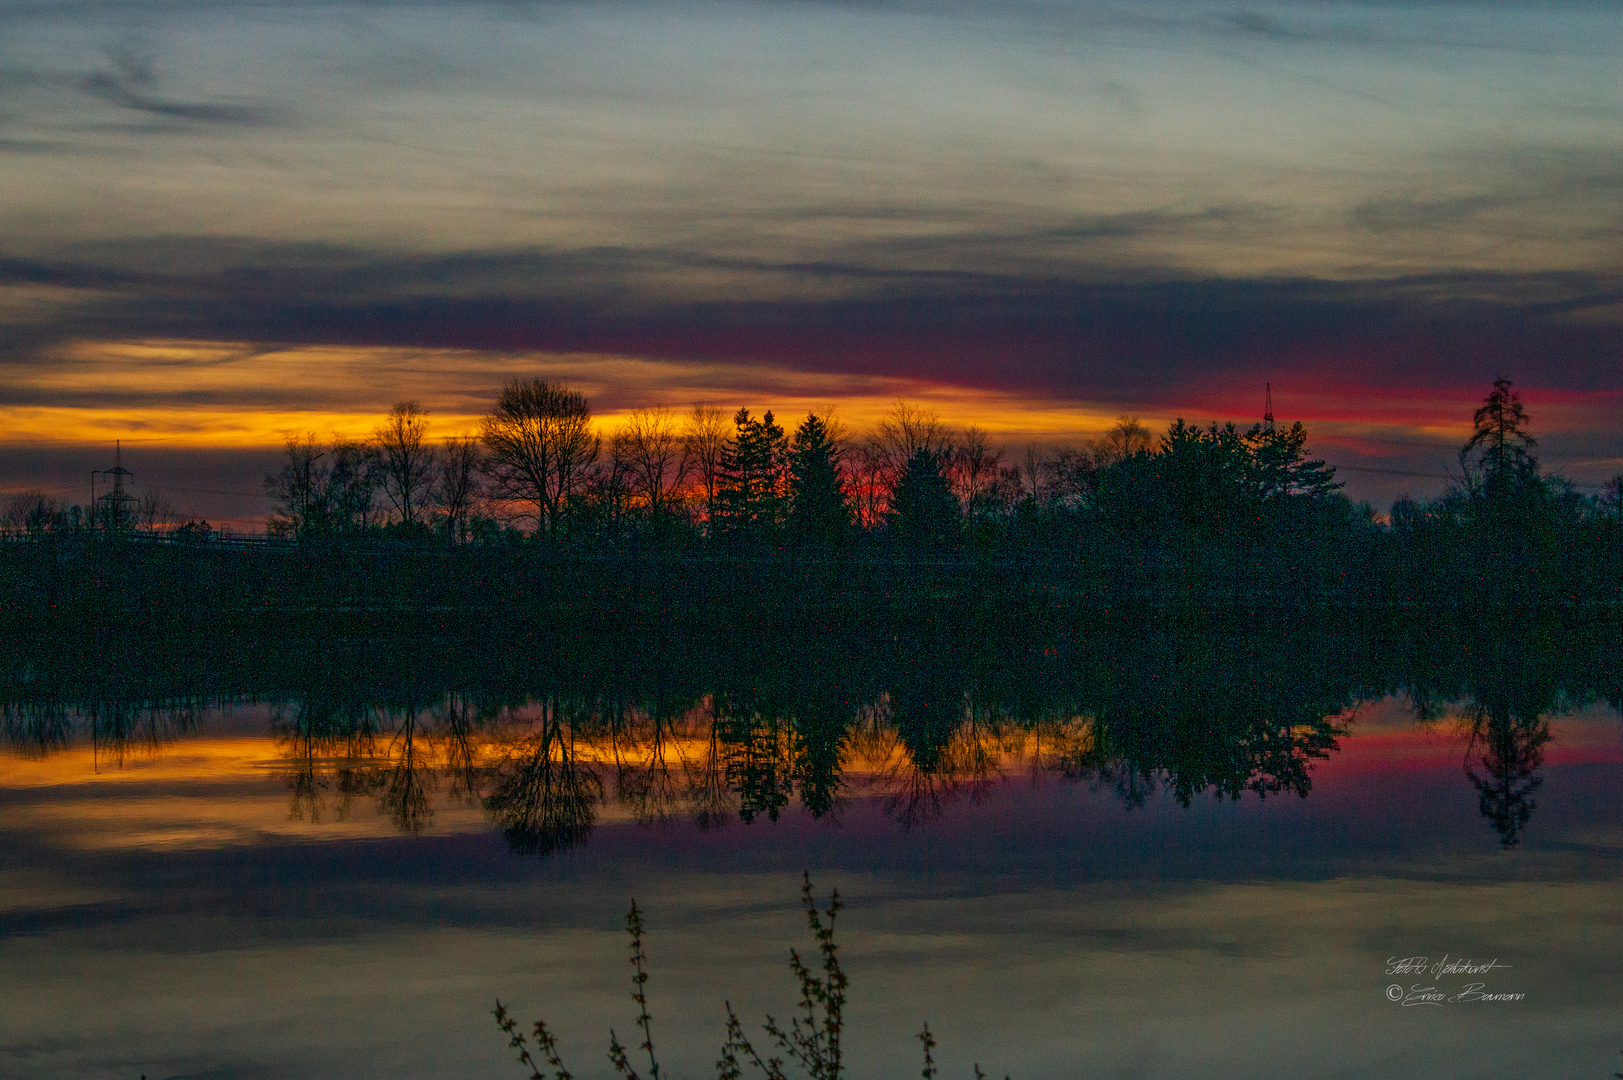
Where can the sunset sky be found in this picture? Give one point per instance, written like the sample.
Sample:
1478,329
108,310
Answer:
223,222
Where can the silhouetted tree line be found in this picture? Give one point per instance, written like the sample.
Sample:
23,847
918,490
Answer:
35,515
1195,515
917,711
914,487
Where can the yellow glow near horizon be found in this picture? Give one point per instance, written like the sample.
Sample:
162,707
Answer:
194,428
212,395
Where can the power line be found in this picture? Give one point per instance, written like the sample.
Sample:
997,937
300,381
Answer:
1441,476
211,491
71,489
46,489
1392,472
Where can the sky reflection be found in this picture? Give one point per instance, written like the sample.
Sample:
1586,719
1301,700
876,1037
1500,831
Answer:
226,784
1041,925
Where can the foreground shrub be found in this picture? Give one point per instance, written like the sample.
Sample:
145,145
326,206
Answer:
811,1042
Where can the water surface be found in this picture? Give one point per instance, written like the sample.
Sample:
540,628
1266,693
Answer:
1167,854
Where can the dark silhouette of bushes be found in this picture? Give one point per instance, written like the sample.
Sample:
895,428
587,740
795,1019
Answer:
810,1044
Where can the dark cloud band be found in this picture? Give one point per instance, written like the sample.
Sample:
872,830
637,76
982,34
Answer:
1146,341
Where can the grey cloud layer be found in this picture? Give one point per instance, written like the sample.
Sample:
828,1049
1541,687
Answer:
736,128
1072,339
1082,198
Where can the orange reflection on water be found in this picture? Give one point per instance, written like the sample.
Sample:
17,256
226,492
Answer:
190,760
242,789
196,793
425,774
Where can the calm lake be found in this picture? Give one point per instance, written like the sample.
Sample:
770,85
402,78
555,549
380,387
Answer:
1156,854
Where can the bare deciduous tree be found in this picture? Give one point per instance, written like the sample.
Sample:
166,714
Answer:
323,490
604,496
868,472
405,464
1125,438
704,444
906,430
540,444
30,513
351,487
651,449
1070,477
1031,473
975,470
154,513
878,463
297,487
458,484
1611,497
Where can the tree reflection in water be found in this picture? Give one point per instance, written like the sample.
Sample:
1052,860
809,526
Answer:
407,777
643,742
329,742
1158,711
114,728
1505,728
759,758
708,791
1504,753
543,795
457,733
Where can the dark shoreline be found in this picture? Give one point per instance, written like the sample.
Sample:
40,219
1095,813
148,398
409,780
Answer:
182,586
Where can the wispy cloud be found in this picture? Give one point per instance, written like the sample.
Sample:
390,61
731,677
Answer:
130,81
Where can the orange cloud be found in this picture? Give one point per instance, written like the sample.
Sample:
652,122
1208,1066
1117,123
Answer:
224,395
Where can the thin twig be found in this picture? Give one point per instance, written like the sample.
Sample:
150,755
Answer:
640,980
516,1039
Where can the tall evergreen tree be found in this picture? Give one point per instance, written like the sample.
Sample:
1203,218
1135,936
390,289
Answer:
924,509
818,509
1502,446
1215,481
1202,478
752,496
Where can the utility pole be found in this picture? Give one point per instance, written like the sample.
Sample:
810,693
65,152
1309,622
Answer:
118,501
1268,406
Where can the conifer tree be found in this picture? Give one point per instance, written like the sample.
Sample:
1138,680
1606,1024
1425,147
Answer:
1502,446
924,508
1280,467
752,497
818,509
